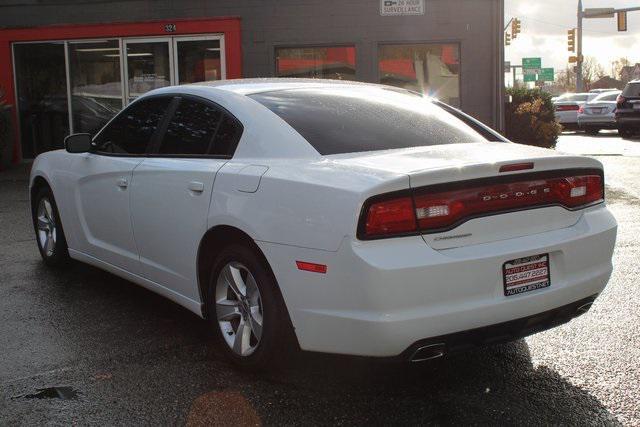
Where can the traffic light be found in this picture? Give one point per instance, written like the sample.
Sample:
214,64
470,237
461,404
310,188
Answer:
571,40
622,21
516,27
507,39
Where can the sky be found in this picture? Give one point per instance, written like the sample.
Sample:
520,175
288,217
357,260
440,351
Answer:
544,32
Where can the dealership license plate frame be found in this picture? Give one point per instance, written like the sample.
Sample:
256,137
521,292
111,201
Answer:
535,280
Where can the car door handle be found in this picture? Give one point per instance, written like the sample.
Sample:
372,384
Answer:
196,186
123,183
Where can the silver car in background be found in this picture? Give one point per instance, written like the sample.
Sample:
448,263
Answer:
599,113
567,107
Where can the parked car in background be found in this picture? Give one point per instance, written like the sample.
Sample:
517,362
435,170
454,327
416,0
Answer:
567,107
599,113
358,219
613,89
628,109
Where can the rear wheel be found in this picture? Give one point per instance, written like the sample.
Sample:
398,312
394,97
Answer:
52,243
625,132
246,310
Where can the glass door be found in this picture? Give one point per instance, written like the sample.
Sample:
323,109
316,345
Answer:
96,86
148,65
198,59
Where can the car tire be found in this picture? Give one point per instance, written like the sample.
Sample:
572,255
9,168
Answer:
625,132
50,237
246,310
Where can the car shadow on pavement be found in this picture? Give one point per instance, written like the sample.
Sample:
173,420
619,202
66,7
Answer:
135,349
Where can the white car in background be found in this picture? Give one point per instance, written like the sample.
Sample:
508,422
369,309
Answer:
356,219
599,113
567,106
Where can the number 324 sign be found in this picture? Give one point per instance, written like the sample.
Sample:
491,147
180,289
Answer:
170,28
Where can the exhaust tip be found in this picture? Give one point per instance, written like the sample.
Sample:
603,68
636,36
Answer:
428,352
583,308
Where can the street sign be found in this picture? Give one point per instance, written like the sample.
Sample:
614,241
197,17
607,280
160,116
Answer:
401,7
507,66
531,63
546,75
599,12
530,78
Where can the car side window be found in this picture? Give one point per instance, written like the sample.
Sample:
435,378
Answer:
131,131
191,130
228,136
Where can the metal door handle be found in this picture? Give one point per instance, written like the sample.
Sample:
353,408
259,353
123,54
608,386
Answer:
196,186
123,183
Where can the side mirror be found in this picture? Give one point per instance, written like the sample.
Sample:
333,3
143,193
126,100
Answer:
78,143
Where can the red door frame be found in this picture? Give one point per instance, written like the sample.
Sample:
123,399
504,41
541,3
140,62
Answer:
228,26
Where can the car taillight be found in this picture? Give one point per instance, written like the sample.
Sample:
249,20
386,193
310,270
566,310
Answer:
620,100
581,109
572,107
391,217
445,206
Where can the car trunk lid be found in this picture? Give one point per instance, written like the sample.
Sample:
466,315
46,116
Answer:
497,168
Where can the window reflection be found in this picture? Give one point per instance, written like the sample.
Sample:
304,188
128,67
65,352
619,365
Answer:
42,96
96,88
198,61
317,62
147,67
432,69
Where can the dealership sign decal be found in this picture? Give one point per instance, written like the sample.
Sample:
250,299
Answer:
401,7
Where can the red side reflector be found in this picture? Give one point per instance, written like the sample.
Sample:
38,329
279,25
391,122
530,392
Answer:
309,266
516,167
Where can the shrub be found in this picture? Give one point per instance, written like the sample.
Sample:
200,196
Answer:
530,118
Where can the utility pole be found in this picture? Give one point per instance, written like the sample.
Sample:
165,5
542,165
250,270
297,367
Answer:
608,12
579,82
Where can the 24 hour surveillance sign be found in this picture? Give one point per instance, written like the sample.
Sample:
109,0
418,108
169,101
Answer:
401,7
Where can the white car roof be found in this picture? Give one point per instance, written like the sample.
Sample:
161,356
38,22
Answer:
258,85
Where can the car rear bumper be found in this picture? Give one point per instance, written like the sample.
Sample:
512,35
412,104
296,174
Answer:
601,121
628,120
382,298
432,348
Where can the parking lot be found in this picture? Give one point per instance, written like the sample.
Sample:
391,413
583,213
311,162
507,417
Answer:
127,356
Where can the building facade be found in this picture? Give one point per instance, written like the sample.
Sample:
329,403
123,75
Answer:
69,66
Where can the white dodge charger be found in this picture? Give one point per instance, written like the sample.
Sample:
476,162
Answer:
349,218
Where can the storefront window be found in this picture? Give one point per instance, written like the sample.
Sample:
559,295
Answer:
147,66
96,87
198,60
432,69
317,62
42,96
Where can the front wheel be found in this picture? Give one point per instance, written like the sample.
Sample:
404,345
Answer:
246,310
49,234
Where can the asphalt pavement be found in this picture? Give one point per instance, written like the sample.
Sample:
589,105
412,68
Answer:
81,346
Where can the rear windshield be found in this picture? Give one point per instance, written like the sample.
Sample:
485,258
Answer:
348,120
632,90
607,96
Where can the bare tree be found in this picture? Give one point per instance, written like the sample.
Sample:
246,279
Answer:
592,70
618,65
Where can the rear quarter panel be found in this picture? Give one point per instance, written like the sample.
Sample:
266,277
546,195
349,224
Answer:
311,204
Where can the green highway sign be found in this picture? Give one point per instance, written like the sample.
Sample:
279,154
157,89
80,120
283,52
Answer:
532,63
530,78
546,75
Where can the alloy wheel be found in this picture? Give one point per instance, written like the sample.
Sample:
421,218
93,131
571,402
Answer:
46,226
239,308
